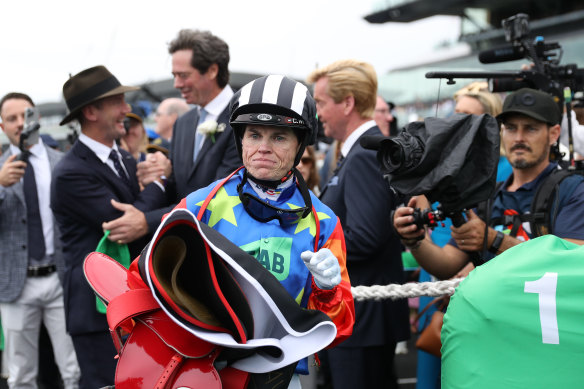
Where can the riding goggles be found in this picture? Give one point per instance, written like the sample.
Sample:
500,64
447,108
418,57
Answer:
263,211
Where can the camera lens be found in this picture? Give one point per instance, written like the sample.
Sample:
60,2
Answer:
395,157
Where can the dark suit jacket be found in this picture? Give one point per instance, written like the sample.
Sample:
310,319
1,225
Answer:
215,160
81,191
361,198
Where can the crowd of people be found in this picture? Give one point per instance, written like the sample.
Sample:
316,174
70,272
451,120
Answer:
251,164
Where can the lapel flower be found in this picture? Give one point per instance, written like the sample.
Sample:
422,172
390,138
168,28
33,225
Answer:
209,128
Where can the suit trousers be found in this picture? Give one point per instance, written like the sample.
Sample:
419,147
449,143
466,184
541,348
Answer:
97,357
362,367
41,300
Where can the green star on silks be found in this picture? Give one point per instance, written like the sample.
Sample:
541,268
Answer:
221,207
308,221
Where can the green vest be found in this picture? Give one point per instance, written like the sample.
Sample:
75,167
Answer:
518,320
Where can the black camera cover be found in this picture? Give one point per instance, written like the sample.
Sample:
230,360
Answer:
458,165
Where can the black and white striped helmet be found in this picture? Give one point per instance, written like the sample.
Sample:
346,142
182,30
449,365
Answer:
275,101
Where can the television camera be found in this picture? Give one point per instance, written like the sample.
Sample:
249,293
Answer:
452,161
546,73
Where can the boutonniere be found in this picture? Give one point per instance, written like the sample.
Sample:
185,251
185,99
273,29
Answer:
210,127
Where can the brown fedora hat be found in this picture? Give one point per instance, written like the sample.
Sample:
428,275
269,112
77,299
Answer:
88,86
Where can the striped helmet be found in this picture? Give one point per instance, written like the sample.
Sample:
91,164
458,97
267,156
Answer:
275,101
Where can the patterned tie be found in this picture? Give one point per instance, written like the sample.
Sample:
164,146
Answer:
339,163
36,237
118,165
198,136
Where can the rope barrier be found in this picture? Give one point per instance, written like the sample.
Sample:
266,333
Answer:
411,289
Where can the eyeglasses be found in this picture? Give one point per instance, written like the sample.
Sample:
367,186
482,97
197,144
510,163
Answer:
306,160
262,211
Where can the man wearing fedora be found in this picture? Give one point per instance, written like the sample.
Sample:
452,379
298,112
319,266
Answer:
89,184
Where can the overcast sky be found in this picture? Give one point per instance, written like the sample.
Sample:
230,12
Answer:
42,42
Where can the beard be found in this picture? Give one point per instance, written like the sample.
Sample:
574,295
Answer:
522,163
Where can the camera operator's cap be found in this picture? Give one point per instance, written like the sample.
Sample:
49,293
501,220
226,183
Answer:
533,103
137,113
88,86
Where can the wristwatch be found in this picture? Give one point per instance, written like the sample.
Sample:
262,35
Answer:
497,242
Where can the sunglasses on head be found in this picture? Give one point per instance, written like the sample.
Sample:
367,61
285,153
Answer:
262,211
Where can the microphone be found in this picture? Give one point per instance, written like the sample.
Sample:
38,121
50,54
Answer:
502,54
372,142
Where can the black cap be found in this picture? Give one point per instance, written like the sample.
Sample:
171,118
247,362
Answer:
533,103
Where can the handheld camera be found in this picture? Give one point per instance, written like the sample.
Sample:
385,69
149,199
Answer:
30,133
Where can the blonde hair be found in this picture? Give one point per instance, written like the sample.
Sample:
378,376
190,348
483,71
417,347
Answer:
479,90
491,103
349,77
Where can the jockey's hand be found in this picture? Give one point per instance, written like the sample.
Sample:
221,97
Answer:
324,267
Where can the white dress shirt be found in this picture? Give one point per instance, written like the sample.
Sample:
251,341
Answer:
351,139
216,106
39,159
103,152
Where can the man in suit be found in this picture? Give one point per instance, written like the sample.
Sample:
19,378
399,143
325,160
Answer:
200,68
31,259
345,94
91,178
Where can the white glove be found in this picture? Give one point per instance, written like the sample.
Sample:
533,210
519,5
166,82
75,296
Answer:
324,267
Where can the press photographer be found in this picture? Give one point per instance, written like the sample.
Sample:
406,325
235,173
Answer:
519,210
31,256
23,133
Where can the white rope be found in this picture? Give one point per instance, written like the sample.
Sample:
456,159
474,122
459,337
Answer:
411,289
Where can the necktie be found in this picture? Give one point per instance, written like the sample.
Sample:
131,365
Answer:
118,165
36,237
339,163
198,135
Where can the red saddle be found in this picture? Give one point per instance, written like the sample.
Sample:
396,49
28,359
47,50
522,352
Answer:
193,301
157,353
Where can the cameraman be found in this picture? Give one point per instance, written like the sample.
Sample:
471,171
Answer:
530,125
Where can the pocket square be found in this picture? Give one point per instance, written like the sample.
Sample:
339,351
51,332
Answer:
334,181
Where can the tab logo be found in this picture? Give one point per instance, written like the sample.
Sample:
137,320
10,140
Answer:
273,253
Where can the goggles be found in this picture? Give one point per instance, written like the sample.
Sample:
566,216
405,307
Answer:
262,211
